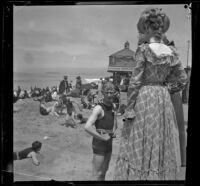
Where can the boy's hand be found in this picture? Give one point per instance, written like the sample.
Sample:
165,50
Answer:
113,135
106,136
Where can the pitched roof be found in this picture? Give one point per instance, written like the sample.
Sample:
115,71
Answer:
124,52
123,60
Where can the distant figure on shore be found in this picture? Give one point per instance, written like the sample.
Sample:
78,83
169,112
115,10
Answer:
100,83
64,86
185,92
102,125
79,84
70,115
15,97
29,153
70,85
116,98
54,95
18,91
77,91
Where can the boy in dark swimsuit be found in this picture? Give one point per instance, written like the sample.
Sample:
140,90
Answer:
29,153
102,126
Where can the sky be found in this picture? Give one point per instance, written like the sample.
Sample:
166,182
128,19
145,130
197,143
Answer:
59,37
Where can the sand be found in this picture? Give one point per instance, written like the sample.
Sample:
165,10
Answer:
66,153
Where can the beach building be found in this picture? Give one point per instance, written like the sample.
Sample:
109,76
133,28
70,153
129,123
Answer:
121,64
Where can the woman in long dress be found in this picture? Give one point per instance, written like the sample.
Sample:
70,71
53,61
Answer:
177,104
149,148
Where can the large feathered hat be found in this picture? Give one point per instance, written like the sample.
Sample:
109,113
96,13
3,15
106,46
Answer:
154,18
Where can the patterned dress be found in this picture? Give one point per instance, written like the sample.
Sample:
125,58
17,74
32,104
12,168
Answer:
149,147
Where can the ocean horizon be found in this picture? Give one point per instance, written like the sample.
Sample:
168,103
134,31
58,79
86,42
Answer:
52,77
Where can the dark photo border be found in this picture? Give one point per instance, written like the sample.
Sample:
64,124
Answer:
7,95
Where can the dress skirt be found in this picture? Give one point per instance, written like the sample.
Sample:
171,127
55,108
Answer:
149,147
178,107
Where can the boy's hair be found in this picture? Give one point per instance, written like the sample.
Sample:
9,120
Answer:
79,116
36,145
108,86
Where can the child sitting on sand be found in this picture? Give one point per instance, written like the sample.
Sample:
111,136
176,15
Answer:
29,153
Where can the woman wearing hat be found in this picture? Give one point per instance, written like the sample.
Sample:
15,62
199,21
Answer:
149,148
175,97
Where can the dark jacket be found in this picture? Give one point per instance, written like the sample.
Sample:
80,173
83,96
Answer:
63,87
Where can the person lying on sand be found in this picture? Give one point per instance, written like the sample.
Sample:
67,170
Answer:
29,153
45,110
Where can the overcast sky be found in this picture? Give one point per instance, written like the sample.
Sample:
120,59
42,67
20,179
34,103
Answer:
84,36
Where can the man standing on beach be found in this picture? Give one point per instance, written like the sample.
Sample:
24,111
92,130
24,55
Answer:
64,86
99,88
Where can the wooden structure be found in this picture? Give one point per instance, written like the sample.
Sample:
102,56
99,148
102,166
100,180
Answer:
122,63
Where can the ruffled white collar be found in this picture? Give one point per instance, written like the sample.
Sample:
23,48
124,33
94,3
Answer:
160,49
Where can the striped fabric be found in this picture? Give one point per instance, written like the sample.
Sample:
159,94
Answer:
149,148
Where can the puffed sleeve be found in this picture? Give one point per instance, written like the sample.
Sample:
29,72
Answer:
135,83
177,79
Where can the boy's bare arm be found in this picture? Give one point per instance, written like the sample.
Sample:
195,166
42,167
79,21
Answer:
89,126
35,161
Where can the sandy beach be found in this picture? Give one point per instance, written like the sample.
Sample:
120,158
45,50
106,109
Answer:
66,152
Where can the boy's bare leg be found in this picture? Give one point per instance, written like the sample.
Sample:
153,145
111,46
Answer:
106,164
71,117
100,166
97,164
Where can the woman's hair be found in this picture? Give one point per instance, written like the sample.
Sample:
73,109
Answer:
153,19
108,86
144,38
36,145
157,35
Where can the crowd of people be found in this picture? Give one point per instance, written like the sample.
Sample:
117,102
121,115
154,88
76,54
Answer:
153,139
60,98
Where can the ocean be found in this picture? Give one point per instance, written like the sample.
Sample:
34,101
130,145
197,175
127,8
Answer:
26,80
